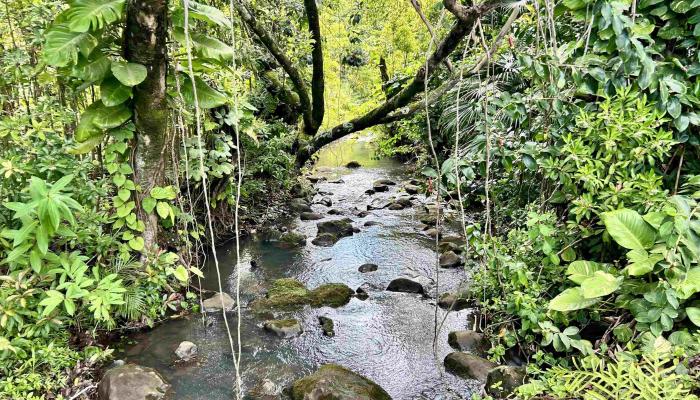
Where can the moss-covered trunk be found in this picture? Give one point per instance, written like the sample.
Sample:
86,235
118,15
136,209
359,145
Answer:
145,43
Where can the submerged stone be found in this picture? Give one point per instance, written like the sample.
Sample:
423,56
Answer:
132,382
292,240
333,382
186,351
285,328
337,227
325,240
217,302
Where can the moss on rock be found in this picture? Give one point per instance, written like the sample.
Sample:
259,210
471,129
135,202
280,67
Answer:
337,383
289,294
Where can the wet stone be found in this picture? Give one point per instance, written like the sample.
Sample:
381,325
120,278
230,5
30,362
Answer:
285,328
405,285
364,268
450,259
468,366
214,303
132,382
186,351
310,216
327,326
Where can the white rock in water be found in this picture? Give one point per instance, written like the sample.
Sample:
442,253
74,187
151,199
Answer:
186,351
214,302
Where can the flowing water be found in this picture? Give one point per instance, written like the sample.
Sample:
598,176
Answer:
387,338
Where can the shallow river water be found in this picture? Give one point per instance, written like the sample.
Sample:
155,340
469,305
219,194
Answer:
387,338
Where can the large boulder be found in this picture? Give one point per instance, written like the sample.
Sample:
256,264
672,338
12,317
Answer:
450,259
290,294
186,351
132,382
468,341
338,227
502,381
333,382
353,165
405,285
219,301
468,366
285,328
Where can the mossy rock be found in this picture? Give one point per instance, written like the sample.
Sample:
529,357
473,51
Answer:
333,382
331,294
290,240
468,366
288,294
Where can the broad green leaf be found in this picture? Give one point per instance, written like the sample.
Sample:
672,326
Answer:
84,15
111,117
579,271
124,194
148,204
207,46
202,12
197,272
86,128
163,209
181,273
629,229
129,74
163,193
113,93
93,69
693,315
571,299
136,243
600,284
62,46
206,96
642,262
53,299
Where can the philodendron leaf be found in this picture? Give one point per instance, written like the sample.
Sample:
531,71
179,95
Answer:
206,96
129,74
579,271
112,117
571,299
62,45
693,315
600,284
86,128
84,15
629,229
113,93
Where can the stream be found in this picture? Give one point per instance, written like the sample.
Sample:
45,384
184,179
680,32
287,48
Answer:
388,337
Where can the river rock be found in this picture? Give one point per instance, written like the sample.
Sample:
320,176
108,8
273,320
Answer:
310,216
362,214
368,268
361,293
372,223
450,259
285,328
505,379
338,180
335,211
315,178
325,240
292,240
333,382
327,326
326,201
380,188
468,366
353,164
132,382
214,303
411,189
433,233
338,227
468,341
454,302
288,294
429,220
449,246
396,206
186,350
405,285
299,205
383,181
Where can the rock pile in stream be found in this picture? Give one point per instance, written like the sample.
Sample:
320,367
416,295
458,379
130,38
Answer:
132,382
337,383
288,294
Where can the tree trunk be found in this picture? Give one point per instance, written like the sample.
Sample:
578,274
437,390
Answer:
145,38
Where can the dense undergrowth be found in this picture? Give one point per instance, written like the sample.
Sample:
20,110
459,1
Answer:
579,140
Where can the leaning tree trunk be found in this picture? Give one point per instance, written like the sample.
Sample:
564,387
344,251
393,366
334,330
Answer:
145,38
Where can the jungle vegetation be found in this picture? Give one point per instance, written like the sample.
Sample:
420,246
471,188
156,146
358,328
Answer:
135,134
